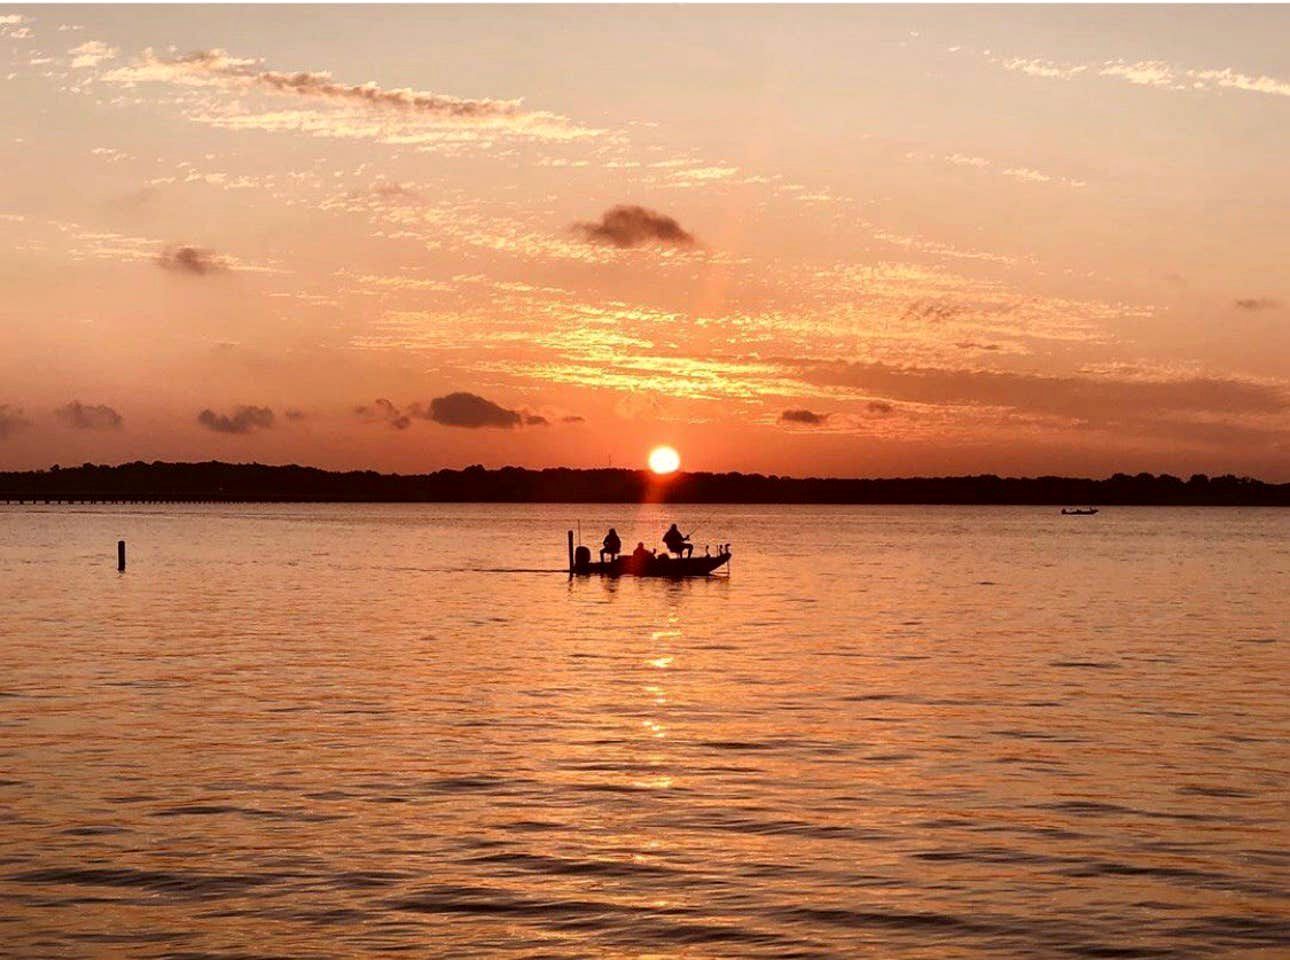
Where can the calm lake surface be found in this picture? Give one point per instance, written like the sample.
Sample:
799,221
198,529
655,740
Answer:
891,732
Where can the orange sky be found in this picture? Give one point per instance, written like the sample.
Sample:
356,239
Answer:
858,241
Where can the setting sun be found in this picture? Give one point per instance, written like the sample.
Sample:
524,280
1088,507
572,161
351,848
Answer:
664,460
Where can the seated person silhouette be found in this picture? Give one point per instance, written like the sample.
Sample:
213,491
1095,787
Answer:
677,542
611,546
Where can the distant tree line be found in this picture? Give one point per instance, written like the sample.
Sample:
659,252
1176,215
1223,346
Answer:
214,480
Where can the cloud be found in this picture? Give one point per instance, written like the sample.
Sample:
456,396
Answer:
1078,396
963,160
295,415
1144,73
1031,175
80,416
1153,73
383,411
1258,303
217,68
11,420
219,65
632,226
11,26
573,418
1041,68
470,410
244,419
879,406
194,260
1242,81
806,417
387,188
454,410
92,53
1156,73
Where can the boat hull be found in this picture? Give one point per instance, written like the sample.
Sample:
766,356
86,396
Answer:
661,566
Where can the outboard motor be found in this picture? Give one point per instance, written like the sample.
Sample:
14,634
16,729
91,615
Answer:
582,558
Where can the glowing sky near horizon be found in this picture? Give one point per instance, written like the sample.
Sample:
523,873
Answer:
829,240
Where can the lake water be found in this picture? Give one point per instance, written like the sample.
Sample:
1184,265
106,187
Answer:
890,732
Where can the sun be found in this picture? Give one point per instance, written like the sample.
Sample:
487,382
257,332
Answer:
664,460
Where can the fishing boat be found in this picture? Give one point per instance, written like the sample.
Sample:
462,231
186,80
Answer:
1077,512
661,565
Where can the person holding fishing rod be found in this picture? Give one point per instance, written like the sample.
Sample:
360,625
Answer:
677,542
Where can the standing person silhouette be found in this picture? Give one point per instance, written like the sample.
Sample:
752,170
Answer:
612,545
677,542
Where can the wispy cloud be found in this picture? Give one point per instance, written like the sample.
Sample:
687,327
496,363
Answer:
1038,176
1079,395
1027,174
1152,73
91,54
1144,73
1041,68
936,248
13,26
1242,81
363,110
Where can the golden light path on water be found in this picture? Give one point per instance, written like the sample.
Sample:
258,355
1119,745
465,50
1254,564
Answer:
907,732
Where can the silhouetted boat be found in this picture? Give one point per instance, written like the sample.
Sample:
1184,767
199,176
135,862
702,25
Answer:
1078,512
661,565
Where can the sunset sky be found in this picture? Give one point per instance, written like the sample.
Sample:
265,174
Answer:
833,241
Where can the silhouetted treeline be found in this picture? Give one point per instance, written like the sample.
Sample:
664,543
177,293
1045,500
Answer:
215,480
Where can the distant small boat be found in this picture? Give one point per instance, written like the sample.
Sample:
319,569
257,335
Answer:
661,565
1078,512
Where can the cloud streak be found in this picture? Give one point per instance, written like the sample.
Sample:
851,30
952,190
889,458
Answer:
1074,396
218,69
1152,73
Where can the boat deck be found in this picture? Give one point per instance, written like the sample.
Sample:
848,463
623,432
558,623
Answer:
654,566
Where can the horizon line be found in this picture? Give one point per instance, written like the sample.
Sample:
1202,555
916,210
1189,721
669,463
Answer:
646,472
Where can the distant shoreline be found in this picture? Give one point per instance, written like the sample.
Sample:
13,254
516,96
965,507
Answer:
215,481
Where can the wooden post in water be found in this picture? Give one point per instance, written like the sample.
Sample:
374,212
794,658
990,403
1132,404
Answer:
120,556
571,551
